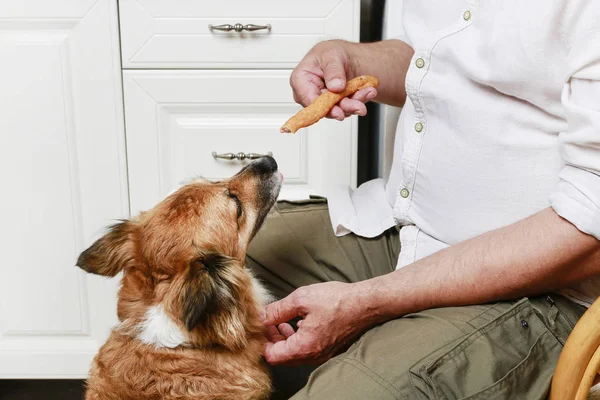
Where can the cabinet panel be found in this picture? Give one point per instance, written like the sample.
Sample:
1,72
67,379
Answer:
177,119
62,157
191,139
176,34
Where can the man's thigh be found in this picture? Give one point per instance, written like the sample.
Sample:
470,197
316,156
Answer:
297,247
501,351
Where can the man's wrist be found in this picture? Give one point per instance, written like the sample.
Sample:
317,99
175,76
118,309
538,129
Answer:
373,301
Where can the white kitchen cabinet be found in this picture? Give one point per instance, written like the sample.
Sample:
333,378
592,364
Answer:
177,119
64,178
70,167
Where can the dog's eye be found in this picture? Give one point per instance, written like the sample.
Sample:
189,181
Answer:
237,202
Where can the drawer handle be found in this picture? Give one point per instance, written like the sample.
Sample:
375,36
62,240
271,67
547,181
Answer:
239,27
240,156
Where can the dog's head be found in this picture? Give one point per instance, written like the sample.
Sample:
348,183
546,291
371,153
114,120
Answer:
185,257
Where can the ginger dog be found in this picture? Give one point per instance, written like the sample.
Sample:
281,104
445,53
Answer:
189,310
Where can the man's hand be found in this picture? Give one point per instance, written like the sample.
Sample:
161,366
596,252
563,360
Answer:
327,67
332,313
329,64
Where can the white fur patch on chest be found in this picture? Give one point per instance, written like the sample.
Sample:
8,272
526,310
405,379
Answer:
262,295
160,330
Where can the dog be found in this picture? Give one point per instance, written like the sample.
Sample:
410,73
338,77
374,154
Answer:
189,309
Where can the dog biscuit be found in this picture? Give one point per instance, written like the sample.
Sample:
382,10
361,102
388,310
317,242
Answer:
321,106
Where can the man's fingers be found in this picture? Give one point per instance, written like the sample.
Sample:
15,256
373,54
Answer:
353,107
287,351
365,95
337,113
306,87
281,311
286,330
278,353
273,335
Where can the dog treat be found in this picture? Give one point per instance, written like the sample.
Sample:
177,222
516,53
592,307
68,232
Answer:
321,106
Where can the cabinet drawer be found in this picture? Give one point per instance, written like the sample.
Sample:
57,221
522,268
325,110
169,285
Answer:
176,33
175,120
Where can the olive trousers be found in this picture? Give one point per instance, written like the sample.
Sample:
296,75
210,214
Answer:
504,350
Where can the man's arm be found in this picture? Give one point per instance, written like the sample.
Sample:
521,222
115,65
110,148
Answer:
330,64
389,61
539,254
536,255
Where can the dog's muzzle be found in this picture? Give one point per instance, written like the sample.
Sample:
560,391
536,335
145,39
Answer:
263,166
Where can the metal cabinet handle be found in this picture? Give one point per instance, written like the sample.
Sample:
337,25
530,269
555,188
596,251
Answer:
240,156
239,27
252,27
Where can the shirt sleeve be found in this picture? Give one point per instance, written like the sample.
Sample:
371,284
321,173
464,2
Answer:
577,194
393,26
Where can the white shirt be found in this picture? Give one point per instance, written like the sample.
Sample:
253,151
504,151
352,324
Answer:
501,121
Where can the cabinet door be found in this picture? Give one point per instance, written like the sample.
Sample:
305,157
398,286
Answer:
177,119
64,178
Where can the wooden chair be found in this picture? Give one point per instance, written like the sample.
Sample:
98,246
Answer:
579,361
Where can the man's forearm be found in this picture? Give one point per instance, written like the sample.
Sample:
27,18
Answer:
541,253
388,60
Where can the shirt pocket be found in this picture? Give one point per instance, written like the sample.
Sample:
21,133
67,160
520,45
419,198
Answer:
512,357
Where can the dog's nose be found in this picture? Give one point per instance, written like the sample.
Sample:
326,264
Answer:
271,163
265,165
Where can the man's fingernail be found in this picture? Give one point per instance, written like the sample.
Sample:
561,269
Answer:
358,112
370,96
335,82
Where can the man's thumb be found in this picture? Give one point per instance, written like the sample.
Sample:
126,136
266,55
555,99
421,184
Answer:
334,76
279,312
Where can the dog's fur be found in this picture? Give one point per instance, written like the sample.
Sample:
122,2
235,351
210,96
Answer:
189,310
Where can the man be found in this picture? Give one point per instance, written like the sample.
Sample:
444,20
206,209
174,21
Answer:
464,273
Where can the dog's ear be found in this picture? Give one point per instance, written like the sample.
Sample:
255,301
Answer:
111,253
208,289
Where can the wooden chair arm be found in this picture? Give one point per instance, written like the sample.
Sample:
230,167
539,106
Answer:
579,360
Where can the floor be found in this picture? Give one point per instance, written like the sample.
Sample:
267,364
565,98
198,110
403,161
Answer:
73,390
41,390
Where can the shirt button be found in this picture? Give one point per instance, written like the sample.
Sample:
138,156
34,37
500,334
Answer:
418,127
467,15
404,193
420,63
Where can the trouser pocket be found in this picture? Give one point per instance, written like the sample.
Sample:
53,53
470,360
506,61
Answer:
512,357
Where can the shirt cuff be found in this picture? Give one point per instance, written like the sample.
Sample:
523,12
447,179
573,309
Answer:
577,199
